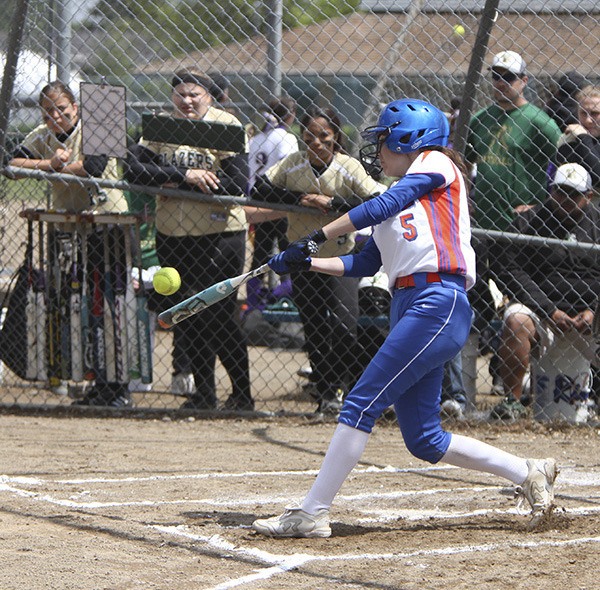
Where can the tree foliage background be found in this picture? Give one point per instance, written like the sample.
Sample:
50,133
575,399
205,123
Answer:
115,31
170,29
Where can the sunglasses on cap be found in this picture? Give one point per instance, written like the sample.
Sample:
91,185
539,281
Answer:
508,77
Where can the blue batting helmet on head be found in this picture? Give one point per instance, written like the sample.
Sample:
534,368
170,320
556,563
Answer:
409,125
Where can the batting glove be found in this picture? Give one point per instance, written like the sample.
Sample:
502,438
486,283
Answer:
297,256
311,243
282,265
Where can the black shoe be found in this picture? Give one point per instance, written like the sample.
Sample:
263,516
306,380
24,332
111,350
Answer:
329,407
88,399
331,403
239,404
311,389
200,401
508,409
105,396
121,401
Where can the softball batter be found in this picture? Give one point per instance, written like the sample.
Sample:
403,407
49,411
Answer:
422,239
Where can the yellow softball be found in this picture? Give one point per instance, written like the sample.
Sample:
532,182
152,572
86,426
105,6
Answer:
459,30
166,281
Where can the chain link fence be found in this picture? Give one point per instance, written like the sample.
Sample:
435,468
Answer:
260,62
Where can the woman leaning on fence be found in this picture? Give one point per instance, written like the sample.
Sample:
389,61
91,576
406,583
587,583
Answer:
323,178
203,240
56,146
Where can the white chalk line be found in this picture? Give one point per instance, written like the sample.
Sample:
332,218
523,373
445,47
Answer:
221,475
239,502
280,564
382,515
98,505
568,474
7,484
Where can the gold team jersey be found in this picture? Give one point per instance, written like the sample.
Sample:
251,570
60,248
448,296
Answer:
42,143
177,216
345,176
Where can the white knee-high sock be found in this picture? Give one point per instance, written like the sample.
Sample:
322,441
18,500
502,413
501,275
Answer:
470,453
345,449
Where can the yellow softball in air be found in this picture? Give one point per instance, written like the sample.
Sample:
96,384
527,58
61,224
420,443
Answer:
166,281
459,30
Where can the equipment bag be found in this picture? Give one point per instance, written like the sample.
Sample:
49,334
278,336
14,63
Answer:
13,337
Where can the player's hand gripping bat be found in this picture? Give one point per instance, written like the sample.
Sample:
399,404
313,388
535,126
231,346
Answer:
217,292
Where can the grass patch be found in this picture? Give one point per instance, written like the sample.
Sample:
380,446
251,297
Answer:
27,190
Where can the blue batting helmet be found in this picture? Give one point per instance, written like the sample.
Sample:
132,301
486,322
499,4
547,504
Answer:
409,125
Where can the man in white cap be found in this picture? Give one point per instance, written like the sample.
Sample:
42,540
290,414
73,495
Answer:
511,142
553,290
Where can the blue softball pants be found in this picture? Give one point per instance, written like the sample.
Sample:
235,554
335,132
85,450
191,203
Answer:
429,325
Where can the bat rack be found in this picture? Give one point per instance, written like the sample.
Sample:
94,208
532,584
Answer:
89,217
86,315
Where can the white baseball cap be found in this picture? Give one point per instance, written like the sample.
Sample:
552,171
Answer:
509,60
573,176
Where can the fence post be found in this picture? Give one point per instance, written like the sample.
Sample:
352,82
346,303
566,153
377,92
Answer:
488,17
13,49
274,18
64,16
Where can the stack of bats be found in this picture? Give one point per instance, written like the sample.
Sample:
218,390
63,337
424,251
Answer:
85,319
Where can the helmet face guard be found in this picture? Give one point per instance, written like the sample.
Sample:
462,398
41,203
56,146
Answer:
369,158
405,126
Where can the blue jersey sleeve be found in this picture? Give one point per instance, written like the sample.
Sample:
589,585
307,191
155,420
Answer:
408,189
364,263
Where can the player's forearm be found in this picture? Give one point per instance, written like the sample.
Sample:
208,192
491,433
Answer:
152,174
343,205
76,168
143,166
260,214
338,227
32,164
328,266
48,165
234,178
265,190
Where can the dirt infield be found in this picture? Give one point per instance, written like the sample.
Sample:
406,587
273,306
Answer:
127,504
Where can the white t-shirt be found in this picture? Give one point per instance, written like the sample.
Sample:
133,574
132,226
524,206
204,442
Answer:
267,148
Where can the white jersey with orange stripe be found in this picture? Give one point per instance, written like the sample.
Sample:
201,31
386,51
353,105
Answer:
433,233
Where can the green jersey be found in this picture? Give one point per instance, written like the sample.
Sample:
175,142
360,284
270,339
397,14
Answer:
512,150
